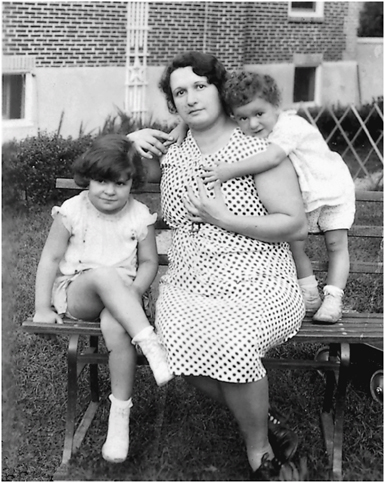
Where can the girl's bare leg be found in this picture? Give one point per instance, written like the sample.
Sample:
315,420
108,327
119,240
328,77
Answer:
102,288
122,356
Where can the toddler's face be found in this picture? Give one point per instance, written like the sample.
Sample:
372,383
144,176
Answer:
257,118
110,197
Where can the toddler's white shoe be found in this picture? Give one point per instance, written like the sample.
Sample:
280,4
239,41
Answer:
312,299
115,448
156,355
330,311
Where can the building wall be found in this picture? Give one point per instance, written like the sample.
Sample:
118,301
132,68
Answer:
66,34
79,52
370,58
94,33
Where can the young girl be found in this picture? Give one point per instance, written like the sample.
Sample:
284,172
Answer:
325,181
99,259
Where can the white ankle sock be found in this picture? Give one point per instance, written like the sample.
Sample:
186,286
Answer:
308,282
333,290
145,333
120,403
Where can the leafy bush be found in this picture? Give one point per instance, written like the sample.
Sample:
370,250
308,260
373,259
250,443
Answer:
30,167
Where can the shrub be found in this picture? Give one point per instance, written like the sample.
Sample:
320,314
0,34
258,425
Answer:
30,167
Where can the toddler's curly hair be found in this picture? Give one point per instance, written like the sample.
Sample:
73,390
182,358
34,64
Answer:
107,159
243,87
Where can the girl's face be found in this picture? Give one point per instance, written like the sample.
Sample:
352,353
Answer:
196,100
110,197
257,118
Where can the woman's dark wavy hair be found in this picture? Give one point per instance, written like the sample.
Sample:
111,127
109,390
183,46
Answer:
108,157
205,65
243,87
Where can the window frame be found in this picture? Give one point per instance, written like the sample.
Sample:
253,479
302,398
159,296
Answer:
318,13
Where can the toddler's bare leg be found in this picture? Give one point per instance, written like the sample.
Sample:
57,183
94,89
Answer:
301,260
306,278
338,254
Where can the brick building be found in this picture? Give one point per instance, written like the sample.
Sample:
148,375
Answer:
75,63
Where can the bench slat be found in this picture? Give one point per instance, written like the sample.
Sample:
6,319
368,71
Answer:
69,183
353,328
355,267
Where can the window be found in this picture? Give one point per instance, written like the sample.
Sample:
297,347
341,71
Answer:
305,10
18,91
304,84
13,96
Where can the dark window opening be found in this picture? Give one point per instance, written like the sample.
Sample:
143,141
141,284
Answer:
304,84
13,96
306,6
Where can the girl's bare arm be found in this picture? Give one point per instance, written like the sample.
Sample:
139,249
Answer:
53,251
147,262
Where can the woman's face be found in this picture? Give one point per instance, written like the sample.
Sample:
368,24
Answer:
196,101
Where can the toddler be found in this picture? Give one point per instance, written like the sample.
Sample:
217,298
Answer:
325,181
99,259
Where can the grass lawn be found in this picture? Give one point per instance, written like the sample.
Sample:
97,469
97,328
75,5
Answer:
176,433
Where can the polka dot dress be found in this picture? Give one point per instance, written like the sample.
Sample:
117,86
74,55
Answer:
226,298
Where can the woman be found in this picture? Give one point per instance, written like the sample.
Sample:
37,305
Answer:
230,292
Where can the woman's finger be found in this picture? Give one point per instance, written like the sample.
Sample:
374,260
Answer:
201,189
216,186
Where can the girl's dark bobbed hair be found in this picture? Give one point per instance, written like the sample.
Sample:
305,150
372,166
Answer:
107,159
202,64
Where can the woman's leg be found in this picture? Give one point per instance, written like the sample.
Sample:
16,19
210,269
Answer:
249,403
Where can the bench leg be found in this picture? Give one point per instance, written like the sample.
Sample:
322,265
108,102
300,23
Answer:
332,424
94,376
73,343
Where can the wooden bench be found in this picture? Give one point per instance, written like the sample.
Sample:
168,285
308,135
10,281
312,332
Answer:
354,328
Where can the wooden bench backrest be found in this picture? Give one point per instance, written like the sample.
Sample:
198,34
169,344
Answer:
357,231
